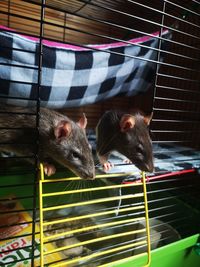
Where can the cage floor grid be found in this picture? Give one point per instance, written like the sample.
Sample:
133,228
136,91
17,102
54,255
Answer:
95,229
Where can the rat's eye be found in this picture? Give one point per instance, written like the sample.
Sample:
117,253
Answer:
76,155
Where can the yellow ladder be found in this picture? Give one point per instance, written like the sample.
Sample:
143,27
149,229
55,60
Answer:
56,250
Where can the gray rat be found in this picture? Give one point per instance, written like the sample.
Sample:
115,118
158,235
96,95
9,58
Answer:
60,139
127,134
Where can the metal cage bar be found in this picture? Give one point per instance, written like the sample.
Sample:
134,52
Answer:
43,223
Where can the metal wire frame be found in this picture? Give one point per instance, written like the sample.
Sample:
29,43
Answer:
101,21
123,208
35,188
160,63
175,66
34,183
175,108
42,223
104,22
138,213
158,74
141,5
108,211
118,11
139,18
111,52
162,207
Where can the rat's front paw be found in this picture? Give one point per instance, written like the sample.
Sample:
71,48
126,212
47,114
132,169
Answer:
107,166
49,169
103,159
127,161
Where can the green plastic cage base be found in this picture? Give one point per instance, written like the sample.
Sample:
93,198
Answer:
177,254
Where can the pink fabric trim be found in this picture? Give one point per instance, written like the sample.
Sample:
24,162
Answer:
96,46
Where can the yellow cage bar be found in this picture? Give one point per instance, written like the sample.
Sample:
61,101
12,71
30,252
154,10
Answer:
69,234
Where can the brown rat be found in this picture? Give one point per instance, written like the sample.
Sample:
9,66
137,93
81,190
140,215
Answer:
127,134
60,139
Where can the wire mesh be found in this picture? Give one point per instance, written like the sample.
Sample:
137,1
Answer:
174,97
49,229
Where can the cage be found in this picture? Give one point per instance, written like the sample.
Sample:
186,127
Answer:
85,56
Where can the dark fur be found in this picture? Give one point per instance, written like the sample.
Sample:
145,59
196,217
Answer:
135,144
72,152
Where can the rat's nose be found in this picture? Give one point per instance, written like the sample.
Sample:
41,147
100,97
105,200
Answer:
149,167
88,175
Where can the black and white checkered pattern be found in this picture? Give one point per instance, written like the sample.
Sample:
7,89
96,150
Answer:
73,78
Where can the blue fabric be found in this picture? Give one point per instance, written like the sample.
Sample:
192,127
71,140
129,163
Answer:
73,78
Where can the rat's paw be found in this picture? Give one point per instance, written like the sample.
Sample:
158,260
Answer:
49,169
127,161
107,166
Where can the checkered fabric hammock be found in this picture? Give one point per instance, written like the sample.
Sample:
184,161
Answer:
74,76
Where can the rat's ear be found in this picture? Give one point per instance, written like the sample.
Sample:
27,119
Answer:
127,122
148,118
82,121
63,129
